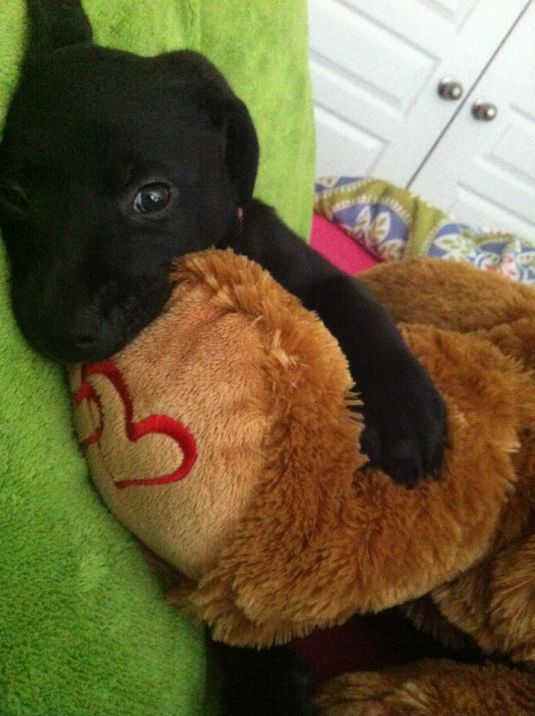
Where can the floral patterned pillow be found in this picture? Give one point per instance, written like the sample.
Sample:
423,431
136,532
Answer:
392,223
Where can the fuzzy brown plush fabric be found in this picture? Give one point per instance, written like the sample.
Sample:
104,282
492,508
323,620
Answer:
222,437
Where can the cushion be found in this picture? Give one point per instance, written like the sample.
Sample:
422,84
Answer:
392,223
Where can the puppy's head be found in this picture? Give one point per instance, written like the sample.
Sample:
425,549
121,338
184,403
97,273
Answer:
111,166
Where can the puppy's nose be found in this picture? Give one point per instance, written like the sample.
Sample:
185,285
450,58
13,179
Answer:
83,335
85,340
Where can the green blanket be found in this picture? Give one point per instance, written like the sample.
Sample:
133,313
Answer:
83,628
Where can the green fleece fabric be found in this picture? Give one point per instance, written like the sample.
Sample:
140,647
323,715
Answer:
83,628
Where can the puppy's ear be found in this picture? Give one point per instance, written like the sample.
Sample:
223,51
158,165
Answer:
55,24
241,147
194,73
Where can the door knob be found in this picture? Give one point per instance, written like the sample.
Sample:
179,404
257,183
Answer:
484,111
450,89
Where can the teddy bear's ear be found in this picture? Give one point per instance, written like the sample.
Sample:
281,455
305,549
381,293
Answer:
449,294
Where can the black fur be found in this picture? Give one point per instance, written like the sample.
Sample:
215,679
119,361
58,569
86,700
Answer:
86,129
270,682
54,25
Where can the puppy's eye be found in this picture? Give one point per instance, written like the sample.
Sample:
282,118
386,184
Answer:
151,198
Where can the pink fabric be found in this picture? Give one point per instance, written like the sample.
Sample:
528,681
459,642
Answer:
364,643
342,251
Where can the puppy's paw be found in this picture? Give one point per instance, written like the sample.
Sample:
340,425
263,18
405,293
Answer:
405,429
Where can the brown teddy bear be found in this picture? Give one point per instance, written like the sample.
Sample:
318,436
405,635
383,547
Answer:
222,436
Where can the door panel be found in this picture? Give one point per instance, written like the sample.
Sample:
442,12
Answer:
484,172
375,69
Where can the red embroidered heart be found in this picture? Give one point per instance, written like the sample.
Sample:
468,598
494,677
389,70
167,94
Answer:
161,424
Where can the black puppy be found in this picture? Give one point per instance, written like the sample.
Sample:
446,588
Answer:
112,165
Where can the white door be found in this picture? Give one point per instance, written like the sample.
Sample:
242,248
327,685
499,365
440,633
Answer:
376,65
483,172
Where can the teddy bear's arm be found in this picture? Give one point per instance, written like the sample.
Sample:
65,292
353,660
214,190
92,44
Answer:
428,688
317,546
494,603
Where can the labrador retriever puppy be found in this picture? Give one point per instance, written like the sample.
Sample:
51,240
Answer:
112,165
